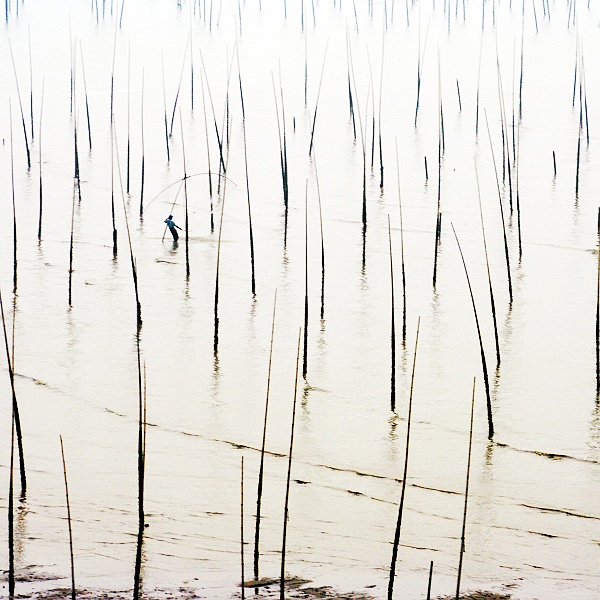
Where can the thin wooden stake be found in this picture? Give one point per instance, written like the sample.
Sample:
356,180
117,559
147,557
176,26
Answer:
483,360
242,530
62,452
393,326
390,594
305,349
262,451
464,523
289,474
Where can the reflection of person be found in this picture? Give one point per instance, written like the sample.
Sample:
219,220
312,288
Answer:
172,227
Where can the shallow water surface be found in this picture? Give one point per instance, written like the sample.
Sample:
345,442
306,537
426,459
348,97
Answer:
533,525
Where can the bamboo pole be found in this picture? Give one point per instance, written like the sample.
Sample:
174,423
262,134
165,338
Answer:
11,510
143,167
506,254
262,451
15,406
62,452
464,523
396,543
20,106
487,264
242,530
393,326
40,158
289,474
305,347
482,352
402,251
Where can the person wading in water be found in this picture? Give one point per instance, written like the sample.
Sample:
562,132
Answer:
172,227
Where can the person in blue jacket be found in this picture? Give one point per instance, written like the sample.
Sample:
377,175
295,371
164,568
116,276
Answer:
172,227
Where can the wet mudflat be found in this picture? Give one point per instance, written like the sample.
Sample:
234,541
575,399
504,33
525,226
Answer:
339,130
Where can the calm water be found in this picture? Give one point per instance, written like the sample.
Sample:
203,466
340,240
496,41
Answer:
533,522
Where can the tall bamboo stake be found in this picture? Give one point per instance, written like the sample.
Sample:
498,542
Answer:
87,106
429,580
401,505
598,319
464,523
216,303
312,131
305,350
393,326
242,530
11,510
14,209
143,168
402,251
30,82
71,242
127,178
322,239
483,360
510,294
20,106
210,187
141,470
178,89
248,195
262,451
165,109
15,406
40,158
289,474
487,264
131,255
62,452
185,196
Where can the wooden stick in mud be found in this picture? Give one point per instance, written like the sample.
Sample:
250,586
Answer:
40,157
30,82
131,255
15,406
210,187
312,131
71,242
393,326
598,319
262,451
483,360
178,89
143,169
322,239
128,164
401,505
487,264
248,195
14,210
165,109
21,107
289,474
87,106
216,303
438,228
430,580
305,347
137,580
402,251
283,161
510,294
464,523
62,452
242,530
11,510
185,196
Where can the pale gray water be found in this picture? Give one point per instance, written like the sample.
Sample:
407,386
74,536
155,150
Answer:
533,522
